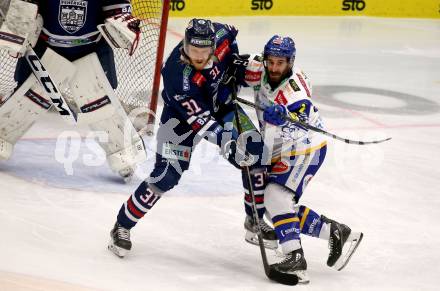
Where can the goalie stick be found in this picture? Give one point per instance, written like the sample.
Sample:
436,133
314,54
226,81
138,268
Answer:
49,86
313,128
271,273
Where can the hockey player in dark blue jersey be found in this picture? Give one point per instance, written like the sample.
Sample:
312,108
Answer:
197,106
74,39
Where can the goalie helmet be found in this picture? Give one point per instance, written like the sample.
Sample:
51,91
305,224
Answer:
279,46
200,33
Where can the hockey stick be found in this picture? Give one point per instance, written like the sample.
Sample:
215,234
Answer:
49,86
313,128
271,273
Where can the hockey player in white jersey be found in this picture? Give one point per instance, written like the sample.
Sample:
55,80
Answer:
297,154
67,36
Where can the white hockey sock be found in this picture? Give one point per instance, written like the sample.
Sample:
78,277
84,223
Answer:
325,231
290,245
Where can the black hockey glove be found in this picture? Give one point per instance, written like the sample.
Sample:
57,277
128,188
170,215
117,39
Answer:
236,70
236,155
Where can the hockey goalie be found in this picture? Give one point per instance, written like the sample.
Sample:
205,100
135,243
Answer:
74,40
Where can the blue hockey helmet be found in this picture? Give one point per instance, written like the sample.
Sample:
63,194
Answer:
200,33
279,46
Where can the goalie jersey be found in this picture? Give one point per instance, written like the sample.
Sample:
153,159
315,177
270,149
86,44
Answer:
73,23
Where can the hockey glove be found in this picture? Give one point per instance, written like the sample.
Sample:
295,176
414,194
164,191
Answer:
236,70
275,114
122,31
236,155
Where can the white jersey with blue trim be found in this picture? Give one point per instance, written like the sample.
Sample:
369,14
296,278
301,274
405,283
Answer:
295,94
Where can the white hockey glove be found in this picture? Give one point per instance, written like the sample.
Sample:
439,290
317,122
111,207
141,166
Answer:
122,31
21,27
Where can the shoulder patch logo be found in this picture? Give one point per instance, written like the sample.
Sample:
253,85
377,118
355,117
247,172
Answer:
199,79
186,73
252,76
219,34
280,167
281,99
72,15
222,50
294,85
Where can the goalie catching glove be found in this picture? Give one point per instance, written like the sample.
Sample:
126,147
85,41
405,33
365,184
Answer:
122,31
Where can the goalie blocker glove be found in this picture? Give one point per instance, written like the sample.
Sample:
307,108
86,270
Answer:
122,31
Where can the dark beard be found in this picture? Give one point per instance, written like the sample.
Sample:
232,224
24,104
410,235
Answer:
273,84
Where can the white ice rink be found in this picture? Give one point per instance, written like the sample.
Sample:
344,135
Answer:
373,77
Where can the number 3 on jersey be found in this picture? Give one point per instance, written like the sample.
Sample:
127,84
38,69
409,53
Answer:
191,107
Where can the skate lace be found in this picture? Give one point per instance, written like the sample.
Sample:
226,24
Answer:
264,226
286,259
123,233
330,245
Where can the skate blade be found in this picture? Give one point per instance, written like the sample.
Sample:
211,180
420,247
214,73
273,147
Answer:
120,252
350,246
253,239
303,277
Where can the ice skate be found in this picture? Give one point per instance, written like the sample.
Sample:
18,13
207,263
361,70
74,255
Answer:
342,243
269,236
294,263
120,243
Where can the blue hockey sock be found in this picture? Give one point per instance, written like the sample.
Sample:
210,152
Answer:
286,227
310,221
142,200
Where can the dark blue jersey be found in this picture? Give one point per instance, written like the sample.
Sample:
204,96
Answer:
194,96
73,23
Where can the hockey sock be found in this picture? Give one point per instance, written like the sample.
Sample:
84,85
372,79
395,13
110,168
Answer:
142,200
310,221
258,185
287,228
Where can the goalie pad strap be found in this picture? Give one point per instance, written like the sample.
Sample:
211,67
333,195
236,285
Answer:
4,36
95,105
38,99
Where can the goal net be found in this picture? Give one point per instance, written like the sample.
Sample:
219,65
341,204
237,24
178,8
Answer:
138,75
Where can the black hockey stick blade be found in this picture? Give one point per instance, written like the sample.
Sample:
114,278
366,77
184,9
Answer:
282,278
315,129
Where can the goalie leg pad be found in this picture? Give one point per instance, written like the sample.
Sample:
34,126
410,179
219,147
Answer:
6,149
21,110
102,111
124,160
